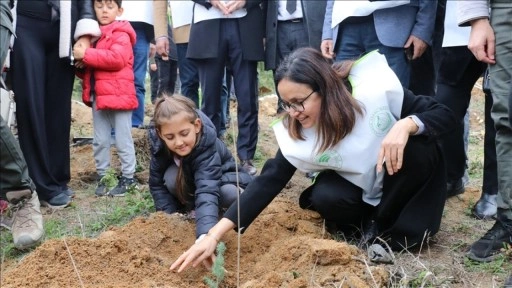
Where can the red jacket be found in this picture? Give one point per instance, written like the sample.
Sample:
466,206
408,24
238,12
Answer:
111,63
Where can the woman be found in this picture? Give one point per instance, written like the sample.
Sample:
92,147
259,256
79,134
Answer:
42,78
351,140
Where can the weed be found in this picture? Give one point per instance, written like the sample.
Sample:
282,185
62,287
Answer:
469,208
500,265
110,179
295,274
218,270
422,280
475,168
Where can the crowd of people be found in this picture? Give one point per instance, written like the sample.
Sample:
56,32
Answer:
395,75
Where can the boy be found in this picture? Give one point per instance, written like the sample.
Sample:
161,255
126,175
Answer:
108,87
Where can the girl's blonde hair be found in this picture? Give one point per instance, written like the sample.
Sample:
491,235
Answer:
165,108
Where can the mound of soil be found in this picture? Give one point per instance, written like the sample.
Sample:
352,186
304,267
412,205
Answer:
285,247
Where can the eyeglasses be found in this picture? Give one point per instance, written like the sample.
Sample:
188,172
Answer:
296,106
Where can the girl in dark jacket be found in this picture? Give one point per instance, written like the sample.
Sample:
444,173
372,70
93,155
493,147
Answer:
191,169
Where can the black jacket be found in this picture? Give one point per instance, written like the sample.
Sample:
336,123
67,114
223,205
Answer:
276,172
206,168
204,36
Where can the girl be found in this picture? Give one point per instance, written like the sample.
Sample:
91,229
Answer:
190,169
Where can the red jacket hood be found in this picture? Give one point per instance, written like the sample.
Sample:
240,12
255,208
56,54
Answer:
119,25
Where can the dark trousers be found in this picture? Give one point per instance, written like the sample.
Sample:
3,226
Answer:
290,36
12,164
189,76
412,202
167,73
153,84
424,69
457,75
211,73
42,83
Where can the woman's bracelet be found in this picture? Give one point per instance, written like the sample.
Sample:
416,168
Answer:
214,238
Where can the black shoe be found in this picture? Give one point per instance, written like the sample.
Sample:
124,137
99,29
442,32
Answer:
101,190
57,202
122,186
68,192
370,233
486,207
249,167
454,188
489,246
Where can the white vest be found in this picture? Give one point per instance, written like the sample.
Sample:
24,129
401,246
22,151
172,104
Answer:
378,90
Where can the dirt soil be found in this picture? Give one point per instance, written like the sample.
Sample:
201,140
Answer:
285,247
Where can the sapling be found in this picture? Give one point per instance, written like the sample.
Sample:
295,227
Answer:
218,270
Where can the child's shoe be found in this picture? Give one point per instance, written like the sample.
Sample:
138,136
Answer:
122,186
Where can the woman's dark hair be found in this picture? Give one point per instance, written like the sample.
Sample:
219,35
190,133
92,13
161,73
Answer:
165,108
338,108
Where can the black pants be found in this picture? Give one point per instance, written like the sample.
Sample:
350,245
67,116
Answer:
211,73
412,202
167,74
458,73
424,69
43,83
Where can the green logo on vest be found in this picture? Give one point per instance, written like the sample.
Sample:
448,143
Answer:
381,121
329,158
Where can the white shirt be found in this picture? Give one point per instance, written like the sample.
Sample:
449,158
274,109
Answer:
282,13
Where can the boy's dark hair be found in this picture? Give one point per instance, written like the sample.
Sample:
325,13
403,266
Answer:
118,2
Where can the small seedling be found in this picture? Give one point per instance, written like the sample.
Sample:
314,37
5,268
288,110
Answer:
218,270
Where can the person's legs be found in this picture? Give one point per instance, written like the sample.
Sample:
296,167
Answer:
103,125
337,200
189,75
153,75
15,183
500,76
164,67
124,142
487,247
413,199
290,36
224,102
246,87
12,164
140,60
125,150
228,195
459,70
486,207
43,107
424,69
210,75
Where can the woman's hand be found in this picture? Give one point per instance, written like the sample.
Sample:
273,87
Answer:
392,147
200,252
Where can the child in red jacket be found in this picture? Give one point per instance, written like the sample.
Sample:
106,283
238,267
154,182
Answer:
109,88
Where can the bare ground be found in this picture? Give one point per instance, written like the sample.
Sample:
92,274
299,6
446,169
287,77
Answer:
285,247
